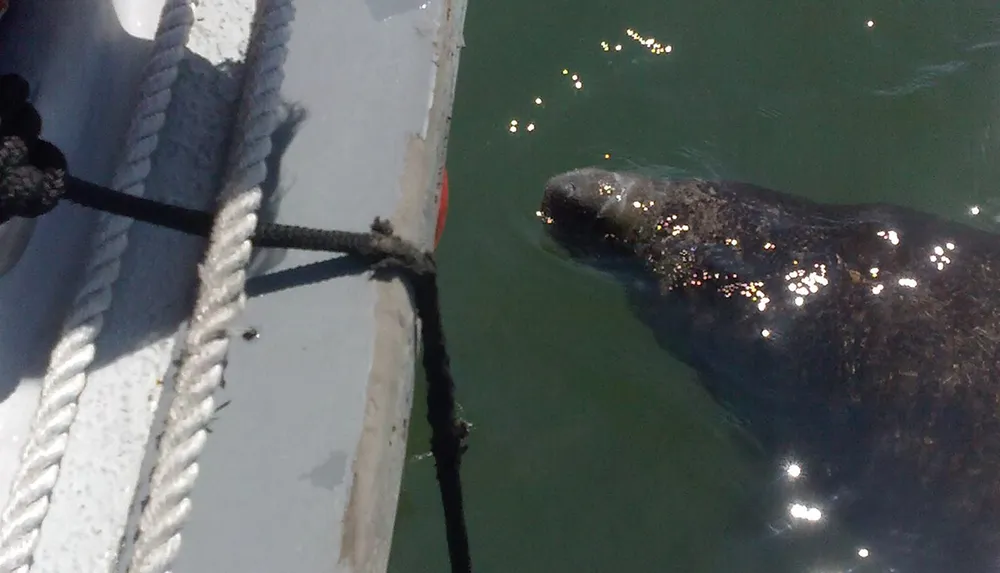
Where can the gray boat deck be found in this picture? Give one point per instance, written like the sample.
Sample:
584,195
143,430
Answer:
302,469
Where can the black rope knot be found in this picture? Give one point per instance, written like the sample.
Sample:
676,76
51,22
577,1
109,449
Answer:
27,190
452,445
32,170
394,252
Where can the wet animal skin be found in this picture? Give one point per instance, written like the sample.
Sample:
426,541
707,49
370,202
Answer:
862,341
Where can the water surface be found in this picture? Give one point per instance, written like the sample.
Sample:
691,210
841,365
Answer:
592,449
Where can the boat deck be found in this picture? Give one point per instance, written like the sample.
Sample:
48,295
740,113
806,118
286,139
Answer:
302,468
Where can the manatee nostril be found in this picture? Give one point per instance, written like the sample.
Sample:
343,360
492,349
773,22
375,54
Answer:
560,188
564,185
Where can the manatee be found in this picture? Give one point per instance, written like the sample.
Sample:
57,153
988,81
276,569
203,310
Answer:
861,341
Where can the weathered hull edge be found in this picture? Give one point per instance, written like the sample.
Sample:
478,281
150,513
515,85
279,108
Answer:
371,512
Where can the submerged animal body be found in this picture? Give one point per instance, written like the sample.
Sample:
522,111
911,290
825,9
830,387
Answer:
862,341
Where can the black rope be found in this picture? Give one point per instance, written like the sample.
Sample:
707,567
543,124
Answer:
34,177
380,245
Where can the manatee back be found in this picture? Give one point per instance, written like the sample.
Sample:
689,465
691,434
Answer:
885,377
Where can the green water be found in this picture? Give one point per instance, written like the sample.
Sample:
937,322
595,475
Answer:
592,449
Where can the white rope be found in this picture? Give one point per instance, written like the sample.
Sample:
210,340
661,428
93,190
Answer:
221,297
65,378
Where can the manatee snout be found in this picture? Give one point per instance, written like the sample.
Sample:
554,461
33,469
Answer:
566,199
589,204
666,222
589,190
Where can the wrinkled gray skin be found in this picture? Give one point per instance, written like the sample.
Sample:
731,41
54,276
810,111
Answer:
888,392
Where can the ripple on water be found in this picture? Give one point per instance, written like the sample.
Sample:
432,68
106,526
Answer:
925,77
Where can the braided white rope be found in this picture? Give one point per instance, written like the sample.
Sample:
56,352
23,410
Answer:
221,297
21,520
